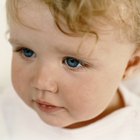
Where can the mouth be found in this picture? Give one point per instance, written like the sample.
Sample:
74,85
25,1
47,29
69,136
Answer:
47,107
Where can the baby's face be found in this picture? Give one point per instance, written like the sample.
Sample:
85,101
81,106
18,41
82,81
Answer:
64,87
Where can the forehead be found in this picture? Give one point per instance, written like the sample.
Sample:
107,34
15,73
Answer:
34,13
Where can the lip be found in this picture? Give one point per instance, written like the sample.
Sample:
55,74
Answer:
47,107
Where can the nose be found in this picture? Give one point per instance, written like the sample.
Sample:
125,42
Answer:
44,79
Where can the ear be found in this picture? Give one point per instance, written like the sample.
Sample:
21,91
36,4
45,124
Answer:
133,64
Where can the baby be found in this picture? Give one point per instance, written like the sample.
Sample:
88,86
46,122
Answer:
69,60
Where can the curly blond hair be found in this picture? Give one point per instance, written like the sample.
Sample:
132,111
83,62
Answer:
80,14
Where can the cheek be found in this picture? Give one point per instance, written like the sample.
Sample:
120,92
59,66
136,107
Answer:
16,74
20,71
85,99
88,96
19,79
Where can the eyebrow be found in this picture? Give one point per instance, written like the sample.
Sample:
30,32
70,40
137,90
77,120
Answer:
14,41
74,53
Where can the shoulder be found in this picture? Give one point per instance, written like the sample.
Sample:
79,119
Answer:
5,104
130,98
132,101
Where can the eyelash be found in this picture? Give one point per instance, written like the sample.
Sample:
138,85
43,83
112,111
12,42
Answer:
21,50
80,62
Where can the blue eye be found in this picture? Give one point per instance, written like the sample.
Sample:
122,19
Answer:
27,52
72,62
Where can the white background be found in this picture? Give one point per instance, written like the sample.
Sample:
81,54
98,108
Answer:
5,49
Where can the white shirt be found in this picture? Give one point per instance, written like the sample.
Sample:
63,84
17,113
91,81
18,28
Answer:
19,122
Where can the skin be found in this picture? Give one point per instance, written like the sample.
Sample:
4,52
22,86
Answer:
85,93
